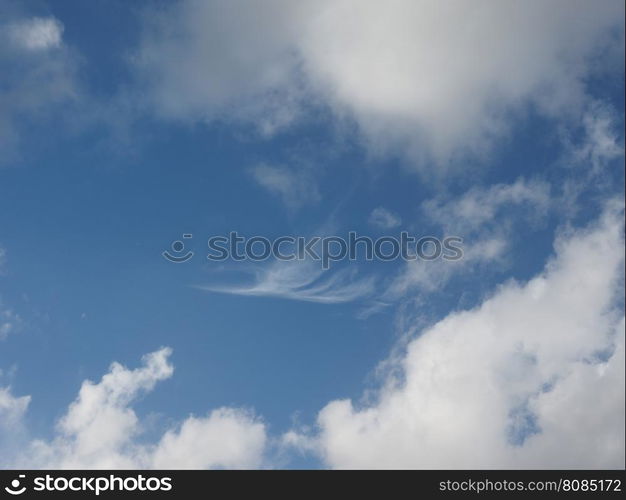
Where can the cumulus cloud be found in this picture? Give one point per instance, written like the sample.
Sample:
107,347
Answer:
100,428
227,438
12,411
427,78
295,187
533,377
444,76
384,219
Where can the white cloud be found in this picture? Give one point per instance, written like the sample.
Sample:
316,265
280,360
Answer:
100,429
384,219
430,79
5,329
432,276
99,423
585,410
480,206
295,187
533,377
3,259
304,281
37,33
227,438
12,409
601,141
8,318
222,60
444,76
8,321
477,216
590,155
39,75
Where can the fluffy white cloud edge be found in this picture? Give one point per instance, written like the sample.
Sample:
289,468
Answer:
532,378
100,429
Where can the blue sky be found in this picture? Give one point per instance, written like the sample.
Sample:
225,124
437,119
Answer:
124,127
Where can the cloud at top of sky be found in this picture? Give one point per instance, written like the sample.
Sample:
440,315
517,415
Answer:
39,77
449,79
428,79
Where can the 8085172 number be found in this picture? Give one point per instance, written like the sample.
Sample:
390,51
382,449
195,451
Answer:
591,485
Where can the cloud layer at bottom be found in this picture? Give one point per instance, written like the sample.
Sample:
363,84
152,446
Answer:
100,429
533,377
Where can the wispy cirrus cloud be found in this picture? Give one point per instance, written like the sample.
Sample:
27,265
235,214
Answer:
482,217
295,186
480,207
9,319
383,218
304,281
36,33
601,142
